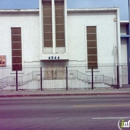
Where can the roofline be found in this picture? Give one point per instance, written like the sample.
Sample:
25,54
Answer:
19,10
92,9
124,21
69,10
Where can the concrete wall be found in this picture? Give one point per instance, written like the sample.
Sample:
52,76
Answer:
106,35
106,40
29,23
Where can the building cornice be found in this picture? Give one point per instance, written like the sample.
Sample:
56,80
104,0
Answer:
124,21
93,10
19,11
68,10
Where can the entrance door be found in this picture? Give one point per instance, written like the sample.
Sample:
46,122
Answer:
54,70
54,74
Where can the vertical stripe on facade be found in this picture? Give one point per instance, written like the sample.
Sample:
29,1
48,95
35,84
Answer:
92,46
16,49
47,23
59,21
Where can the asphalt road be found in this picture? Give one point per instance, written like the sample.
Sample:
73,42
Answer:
64,113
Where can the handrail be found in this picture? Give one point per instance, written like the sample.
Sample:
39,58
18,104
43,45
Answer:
109,80
101,79
2,83
11,82
96,78
107,76
84,77
3,78
82,73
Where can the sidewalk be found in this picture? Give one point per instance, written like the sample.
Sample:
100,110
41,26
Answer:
78,92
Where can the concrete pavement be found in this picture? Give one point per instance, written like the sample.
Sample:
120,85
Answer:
78,92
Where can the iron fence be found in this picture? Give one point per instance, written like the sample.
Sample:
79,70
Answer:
69,77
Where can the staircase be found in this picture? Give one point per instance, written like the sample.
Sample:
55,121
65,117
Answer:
22,80
97,79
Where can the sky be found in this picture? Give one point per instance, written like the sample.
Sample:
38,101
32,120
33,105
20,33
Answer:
33,4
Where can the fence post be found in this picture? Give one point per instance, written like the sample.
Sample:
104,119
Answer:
118,80
16,80
92,77
103,79
66,78
41,77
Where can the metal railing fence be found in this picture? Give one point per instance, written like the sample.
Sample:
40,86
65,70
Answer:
107,75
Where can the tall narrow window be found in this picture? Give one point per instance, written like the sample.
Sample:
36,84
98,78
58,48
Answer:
92,47
16,49
59,17
47,20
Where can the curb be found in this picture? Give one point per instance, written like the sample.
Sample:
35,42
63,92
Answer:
69,94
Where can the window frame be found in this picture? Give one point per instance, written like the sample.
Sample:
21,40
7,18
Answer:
94,54
18,58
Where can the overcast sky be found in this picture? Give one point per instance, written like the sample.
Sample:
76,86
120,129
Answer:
22,4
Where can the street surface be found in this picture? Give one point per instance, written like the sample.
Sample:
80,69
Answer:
63,113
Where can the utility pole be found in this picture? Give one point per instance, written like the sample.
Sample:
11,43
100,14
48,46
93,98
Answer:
129,44
129,14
